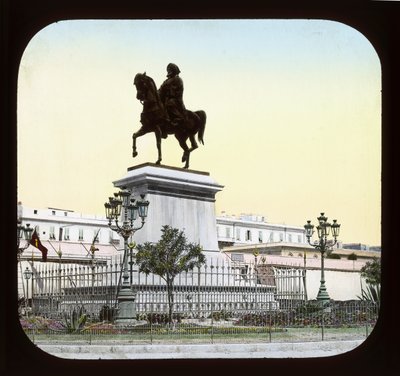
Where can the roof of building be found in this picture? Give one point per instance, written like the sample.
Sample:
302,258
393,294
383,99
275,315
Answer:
278,247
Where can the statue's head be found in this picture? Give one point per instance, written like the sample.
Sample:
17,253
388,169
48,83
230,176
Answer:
172,70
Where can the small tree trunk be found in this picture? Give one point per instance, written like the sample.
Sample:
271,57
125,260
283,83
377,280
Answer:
170,301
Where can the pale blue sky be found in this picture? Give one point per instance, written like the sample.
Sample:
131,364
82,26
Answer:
293,114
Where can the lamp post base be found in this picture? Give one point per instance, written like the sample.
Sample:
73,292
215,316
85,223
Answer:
323,295
126,307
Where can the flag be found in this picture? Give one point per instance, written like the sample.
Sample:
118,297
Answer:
35,241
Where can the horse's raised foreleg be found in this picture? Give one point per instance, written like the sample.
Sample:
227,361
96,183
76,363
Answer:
137,134
158,134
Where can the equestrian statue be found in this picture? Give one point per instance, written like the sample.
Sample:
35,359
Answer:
164,113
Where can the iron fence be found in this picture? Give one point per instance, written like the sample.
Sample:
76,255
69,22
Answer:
218,302
217,286
309,321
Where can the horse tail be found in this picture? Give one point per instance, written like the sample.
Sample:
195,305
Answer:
202,125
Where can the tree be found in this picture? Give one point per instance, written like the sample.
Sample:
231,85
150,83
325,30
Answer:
352,256
371,271
170,256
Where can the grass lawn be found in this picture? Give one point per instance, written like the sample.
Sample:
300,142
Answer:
204,335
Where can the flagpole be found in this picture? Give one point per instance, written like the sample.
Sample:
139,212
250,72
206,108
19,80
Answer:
27,292
59,254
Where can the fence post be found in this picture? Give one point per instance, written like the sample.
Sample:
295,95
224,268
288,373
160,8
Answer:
151,331
270,324
212,322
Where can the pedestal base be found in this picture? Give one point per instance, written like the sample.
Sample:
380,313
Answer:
126,307
323,295
182,199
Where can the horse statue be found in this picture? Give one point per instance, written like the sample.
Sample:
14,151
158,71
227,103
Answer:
154,118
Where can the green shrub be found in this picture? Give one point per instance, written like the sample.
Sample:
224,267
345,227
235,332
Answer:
75,321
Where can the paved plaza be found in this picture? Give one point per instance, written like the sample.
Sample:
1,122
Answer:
202,351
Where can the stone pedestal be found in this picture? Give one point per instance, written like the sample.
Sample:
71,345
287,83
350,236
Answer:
183,199
126,307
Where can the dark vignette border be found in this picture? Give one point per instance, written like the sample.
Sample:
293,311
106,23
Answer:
377,20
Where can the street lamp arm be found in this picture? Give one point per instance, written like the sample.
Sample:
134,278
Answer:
315,245
138,228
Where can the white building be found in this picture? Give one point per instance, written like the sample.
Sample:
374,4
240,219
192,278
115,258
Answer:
69,227
253,229
73,233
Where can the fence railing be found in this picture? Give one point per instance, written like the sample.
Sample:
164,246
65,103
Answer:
307,322
218,302
217,286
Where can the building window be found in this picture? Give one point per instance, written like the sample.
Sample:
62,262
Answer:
96,236
218,231
238,234
66,233
298,238
81,234
35,211
244,271
52,234
281,237
290,238
53,212
112,240
248,235
271,237
65,213
260,236
227,232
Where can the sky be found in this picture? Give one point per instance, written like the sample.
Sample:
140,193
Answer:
293,115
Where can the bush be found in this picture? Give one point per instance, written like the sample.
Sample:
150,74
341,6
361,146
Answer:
371,271
41,324
221,315
159,318
107,314
75,321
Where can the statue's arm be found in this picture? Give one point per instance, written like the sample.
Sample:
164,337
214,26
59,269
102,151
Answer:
177,87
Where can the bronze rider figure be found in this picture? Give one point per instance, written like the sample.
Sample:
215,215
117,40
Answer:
171,94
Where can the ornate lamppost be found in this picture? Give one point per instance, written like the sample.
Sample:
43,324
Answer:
23,232
27,275
121,212
323,230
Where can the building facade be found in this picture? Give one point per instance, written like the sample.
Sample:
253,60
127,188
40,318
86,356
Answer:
244,242
236,235
253,229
